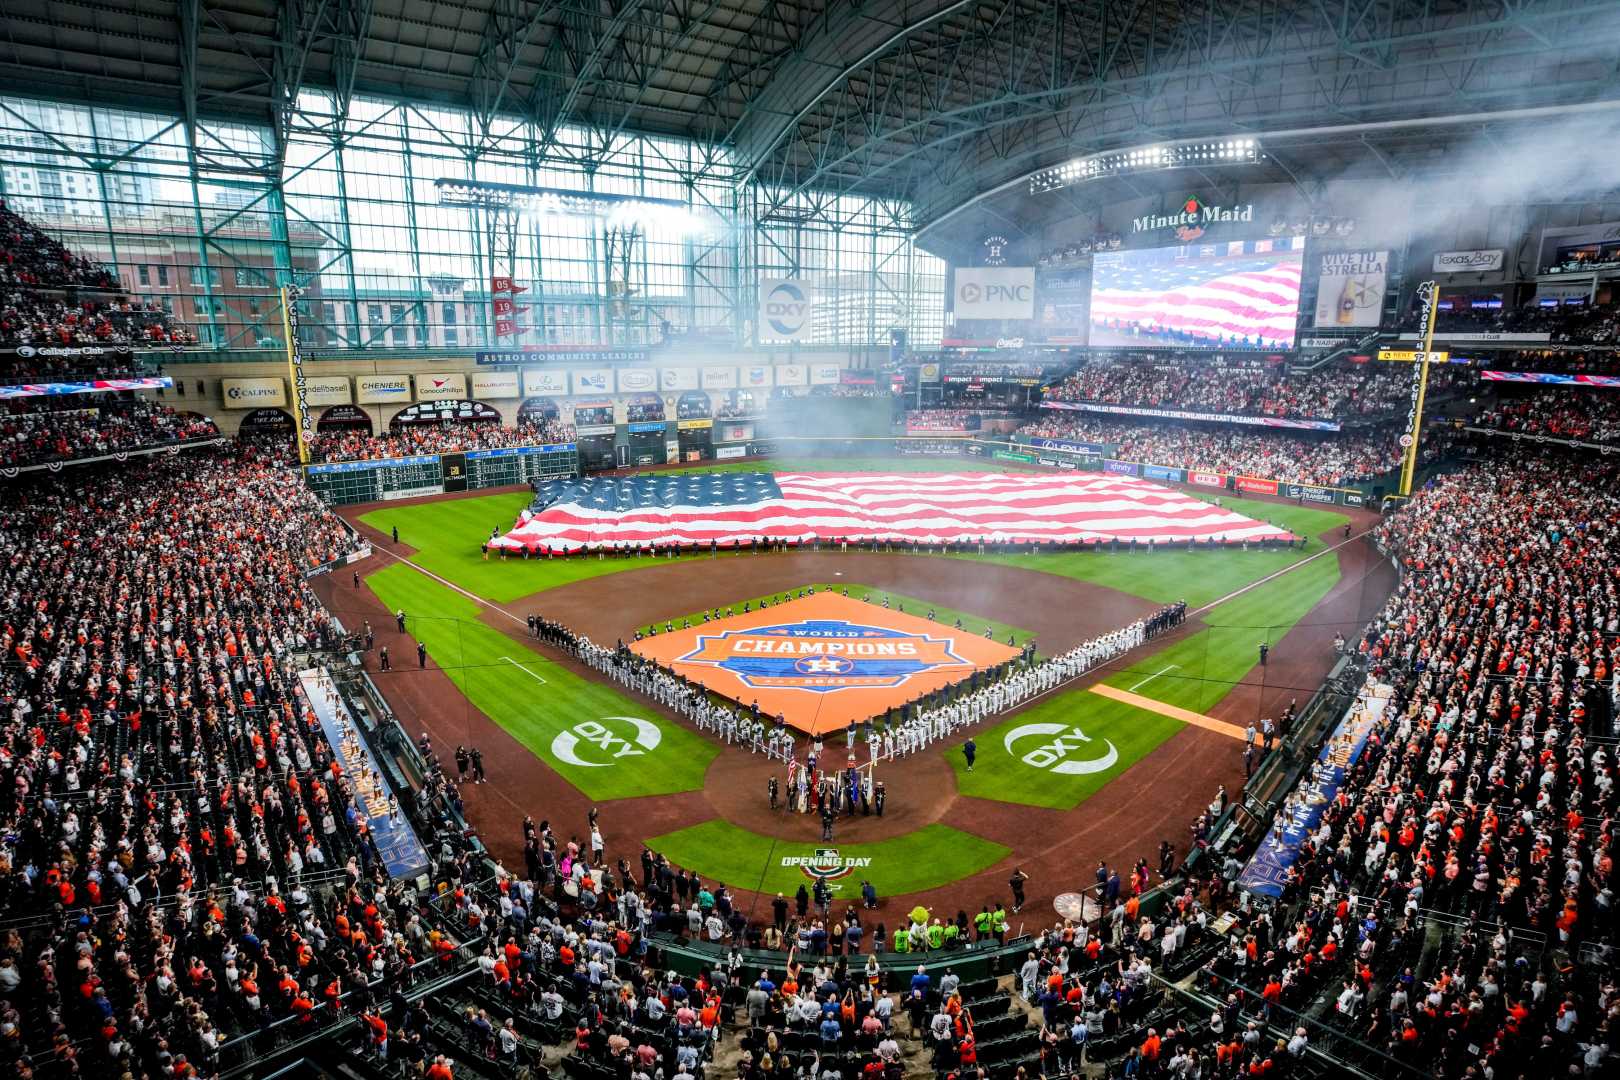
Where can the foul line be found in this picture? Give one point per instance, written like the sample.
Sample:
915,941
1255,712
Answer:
474,597
523,669
1153,676
1174,712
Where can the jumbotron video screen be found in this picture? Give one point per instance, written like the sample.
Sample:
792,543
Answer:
1238,295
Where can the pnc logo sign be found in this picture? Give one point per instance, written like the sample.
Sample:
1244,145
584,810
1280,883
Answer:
594,744
824,655
786,308
1055,755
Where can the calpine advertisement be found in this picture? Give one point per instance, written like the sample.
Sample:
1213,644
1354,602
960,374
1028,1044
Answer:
994,292
253,393
1350,288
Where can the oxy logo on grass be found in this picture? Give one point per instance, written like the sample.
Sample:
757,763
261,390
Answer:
826,864
1054,756
824,655
596,744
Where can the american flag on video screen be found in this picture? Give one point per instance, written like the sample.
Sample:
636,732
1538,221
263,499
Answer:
730,508
1252,298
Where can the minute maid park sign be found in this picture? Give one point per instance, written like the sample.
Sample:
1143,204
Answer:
1190,221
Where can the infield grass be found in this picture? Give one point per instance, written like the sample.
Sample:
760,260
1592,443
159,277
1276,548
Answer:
933,856
1194,673
536,700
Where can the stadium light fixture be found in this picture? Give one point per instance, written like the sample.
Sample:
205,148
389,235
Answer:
1178,155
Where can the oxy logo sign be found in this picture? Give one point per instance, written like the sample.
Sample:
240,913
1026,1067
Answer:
826,864
785,307
824,655
593,744
1053,756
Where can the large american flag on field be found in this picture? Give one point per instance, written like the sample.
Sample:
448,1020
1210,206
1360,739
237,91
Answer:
735,508
1244,293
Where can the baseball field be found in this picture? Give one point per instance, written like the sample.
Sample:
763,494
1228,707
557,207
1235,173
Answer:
1102,767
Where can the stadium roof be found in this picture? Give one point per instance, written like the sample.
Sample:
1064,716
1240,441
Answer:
937,101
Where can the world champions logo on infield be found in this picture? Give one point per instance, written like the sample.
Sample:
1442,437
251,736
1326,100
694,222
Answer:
824,655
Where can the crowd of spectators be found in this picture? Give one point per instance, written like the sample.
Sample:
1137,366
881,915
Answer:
943,420
740,405
35,269
39,430
444,437
1339,391
1582,413
1573,324
170,803
1325,459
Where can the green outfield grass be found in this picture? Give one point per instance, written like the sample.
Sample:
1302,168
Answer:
909,605
1195,673
446,536
551,711
932,856
1197,577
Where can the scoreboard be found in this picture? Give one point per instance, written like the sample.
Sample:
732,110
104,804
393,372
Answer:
343,482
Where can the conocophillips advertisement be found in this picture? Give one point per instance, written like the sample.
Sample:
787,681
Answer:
323,390
638,380
441,386
544,382
376,389
253,393
494,385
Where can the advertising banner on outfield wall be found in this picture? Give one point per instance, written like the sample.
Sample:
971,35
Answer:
672,379
1069,446
1206,479
1255,486
1310,493
755,376
719,378
1351,497
377,389
495,385
544,382
723,452
1350,288
592,380
791,375
638,380
441,386
1469,262
254,393
1165,473
323,390
728,431
824,374
1120,468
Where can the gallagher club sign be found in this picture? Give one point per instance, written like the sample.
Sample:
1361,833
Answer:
1190,221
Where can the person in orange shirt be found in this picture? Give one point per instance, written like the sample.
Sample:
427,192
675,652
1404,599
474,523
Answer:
1151,1047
